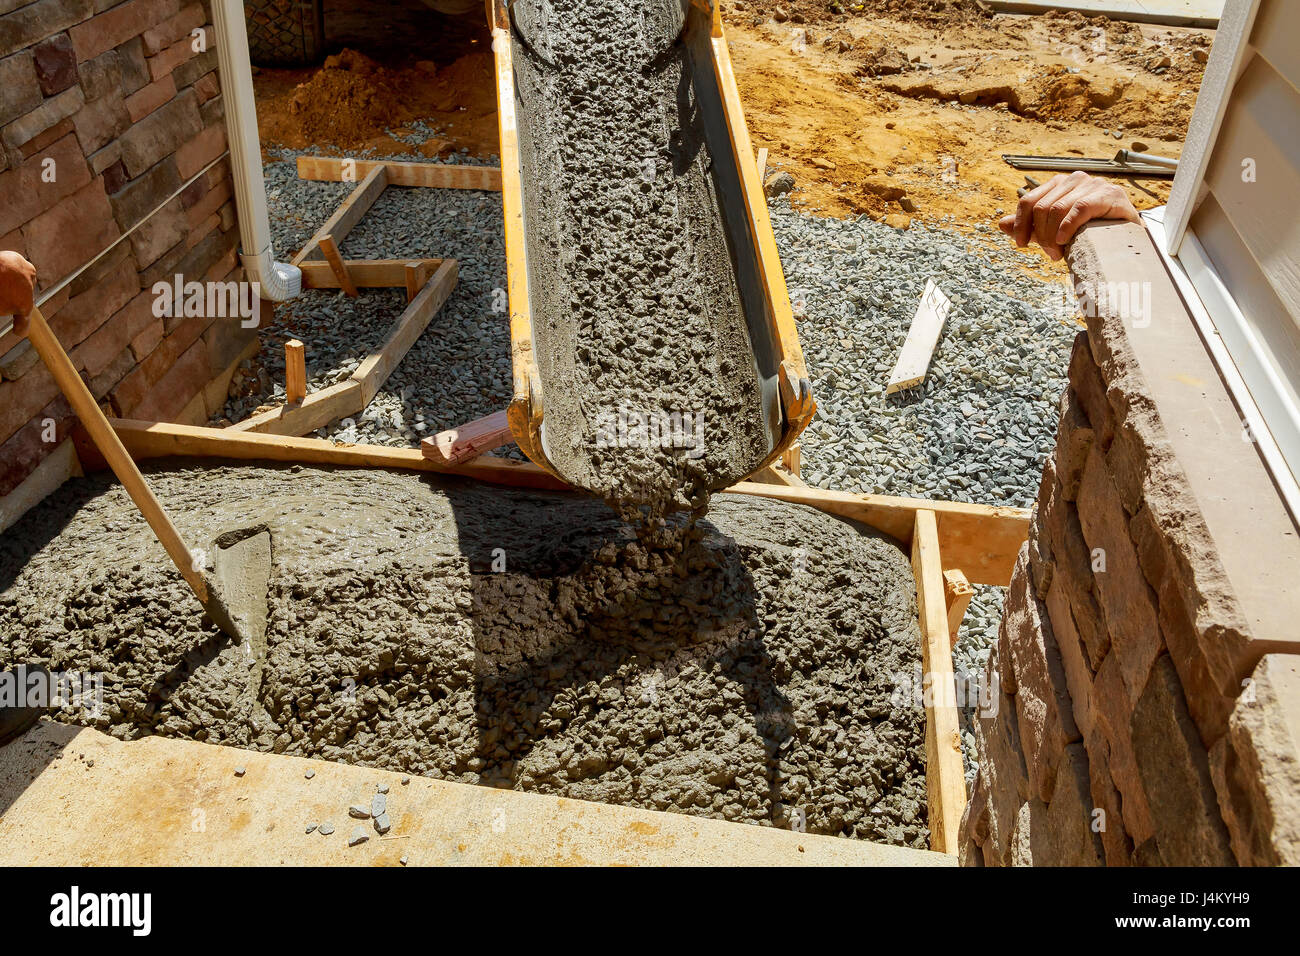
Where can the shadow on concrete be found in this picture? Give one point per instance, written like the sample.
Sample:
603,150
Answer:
564,599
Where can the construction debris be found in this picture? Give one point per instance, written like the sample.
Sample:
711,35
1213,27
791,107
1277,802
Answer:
914,358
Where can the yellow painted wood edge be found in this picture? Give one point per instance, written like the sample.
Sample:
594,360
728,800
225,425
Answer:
527,406
945,778
786,334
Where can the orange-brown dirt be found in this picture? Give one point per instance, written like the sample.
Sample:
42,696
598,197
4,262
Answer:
901,108
891,108
352,102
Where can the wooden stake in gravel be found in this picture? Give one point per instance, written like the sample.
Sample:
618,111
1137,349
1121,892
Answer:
957,592
944,775
295,372
330,250
922,337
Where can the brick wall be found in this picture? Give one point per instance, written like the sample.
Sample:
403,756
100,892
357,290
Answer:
106,109
1128,729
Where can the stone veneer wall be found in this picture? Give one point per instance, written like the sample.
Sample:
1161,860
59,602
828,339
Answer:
112,99
1123,733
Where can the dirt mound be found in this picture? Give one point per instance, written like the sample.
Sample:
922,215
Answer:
352,102
349,98
745,668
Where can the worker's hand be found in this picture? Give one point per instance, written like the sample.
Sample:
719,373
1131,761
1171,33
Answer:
17,286
1052,213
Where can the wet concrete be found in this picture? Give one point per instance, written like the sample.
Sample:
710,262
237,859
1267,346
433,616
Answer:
739,668
653,393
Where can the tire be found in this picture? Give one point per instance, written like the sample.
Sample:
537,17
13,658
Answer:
285,32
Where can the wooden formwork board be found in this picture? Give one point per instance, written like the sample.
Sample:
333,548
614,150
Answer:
366,273
349,397
944,773
145,440
981,540
435,175
315,411
348,214
375,368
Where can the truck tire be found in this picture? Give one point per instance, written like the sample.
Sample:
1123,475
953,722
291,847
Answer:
285,32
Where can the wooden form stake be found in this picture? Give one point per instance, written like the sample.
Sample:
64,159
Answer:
792,458
413,283
944,773
957,593
295,372
340,268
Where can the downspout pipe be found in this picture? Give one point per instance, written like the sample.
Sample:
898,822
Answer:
279,281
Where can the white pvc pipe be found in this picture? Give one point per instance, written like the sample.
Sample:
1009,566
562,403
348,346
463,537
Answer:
279,280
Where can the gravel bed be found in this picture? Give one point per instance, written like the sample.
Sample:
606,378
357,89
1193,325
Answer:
978,429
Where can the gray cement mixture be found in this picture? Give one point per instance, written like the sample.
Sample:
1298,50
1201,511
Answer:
651,389
740,667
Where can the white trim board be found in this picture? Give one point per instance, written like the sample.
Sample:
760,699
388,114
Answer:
1231,345
1227,58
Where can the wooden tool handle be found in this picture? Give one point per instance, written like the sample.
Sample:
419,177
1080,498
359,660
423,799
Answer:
110,446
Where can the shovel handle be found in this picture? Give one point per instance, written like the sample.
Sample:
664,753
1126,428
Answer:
110,446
